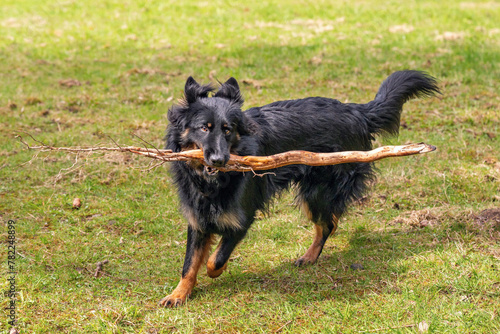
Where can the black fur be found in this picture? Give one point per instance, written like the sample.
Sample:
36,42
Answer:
218,126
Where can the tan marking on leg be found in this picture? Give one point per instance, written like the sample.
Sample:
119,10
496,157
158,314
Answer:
187,283
305,209
191,218
211,271
335,222
229,220
315,249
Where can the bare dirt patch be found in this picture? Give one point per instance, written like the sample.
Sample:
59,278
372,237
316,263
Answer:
404,28
417,218
69,83
486,221
489,218
450,36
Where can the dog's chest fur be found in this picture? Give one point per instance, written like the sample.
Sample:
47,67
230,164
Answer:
211,204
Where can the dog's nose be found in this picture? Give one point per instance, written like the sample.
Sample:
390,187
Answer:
217,161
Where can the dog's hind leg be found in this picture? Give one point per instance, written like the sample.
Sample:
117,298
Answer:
323,230
217,262
197,249
324,195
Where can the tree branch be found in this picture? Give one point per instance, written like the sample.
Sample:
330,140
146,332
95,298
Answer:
255,163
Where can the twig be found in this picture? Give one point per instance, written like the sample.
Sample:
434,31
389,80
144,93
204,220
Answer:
30,160
143,140
100,265
286,324
69,169
118,145
150,168
39,142
151,165
387,328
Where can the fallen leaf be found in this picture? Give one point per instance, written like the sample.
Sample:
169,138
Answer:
255,83
69,83
148,71
30,101
423,327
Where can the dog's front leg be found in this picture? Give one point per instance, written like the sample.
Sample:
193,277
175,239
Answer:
197,248
217,262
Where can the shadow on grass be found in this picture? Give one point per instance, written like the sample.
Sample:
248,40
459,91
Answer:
374,262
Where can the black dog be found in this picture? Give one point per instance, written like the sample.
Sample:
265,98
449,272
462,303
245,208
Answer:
225,203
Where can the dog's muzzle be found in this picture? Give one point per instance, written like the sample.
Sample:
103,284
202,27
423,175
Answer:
211,171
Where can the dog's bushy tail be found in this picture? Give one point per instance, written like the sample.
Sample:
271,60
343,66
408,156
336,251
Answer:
384,111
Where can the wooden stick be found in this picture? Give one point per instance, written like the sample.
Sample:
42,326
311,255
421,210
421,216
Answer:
324,159
255,163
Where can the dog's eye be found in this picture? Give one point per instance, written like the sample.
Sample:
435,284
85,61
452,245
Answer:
227,132
204,128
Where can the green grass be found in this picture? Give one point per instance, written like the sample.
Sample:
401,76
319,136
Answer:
427,257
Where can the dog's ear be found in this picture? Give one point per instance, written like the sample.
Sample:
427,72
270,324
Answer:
231,91
194,91
178,116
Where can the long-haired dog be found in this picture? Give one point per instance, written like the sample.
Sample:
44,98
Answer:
217,203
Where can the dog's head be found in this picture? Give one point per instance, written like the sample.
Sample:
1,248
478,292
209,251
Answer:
213,123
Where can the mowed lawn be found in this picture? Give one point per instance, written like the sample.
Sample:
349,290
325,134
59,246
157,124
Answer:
424,242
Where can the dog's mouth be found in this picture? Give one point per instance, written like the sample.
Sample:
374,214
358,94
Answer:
211,171
197,165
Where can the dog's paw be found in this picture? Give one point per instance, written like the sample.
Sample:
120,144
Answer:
304,261
212,272
173,300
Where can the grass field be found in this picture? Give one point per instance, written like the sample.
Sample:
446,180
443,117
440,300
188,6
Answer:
93,72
